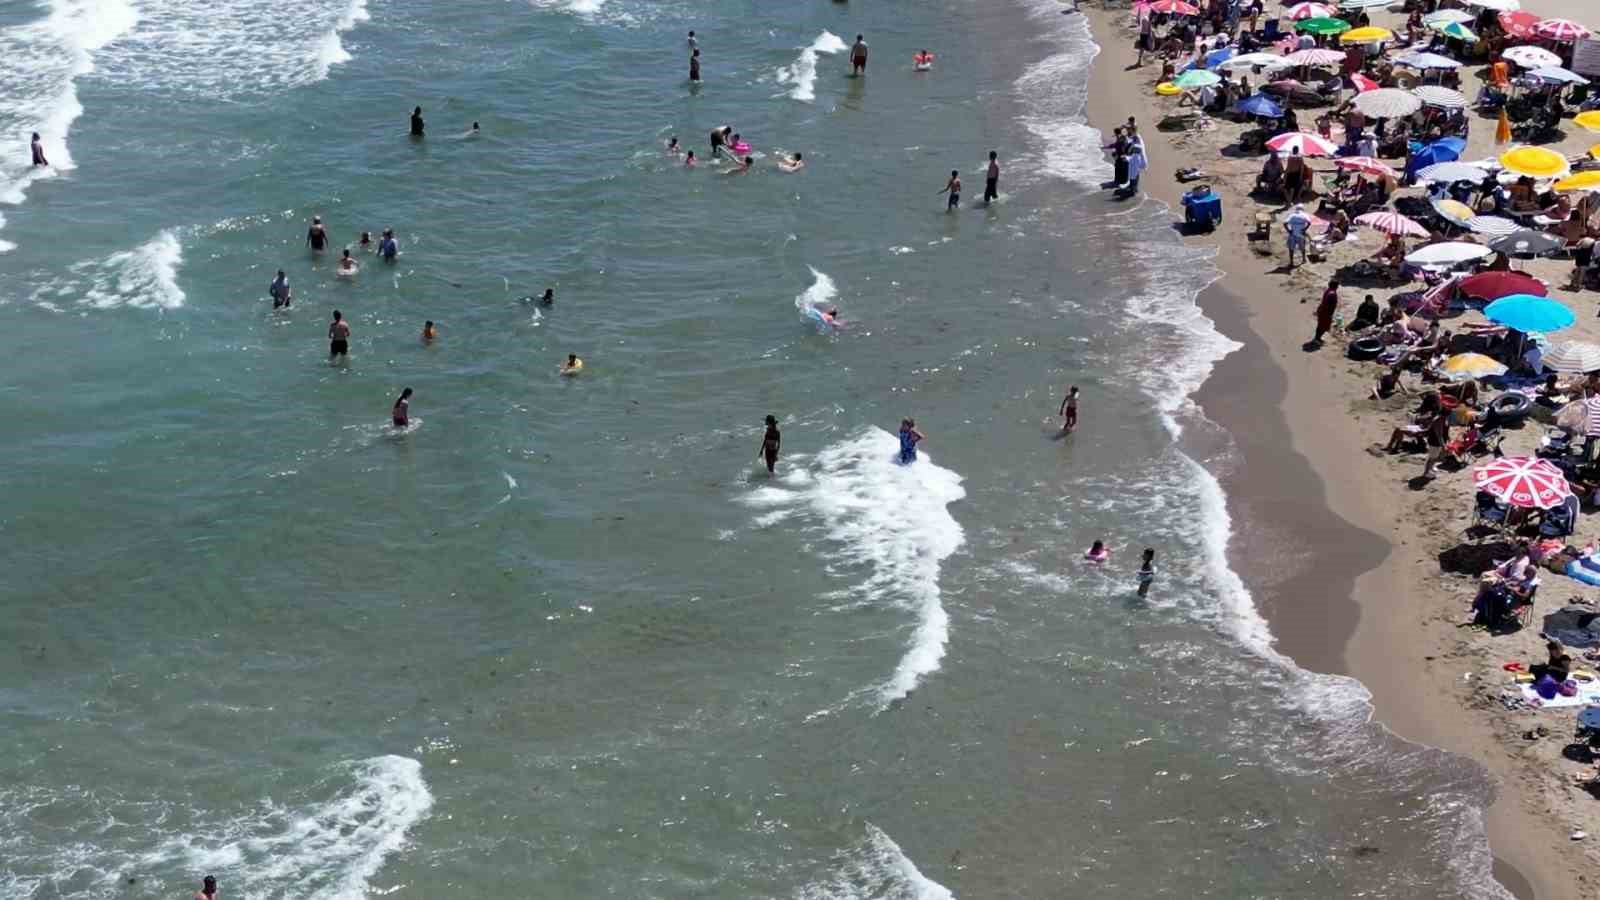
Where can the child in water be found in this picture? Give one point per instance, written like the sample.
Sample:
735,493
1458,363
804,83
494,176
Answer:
402,409
1098,553
347,264
688,160
572,366
427,332
909,438
792,164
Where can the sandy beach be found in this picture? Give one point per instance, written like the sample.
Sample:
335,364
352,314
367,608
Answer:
1338,547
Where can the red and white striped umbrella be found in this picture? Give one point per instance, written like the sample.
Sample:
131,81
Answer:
1523,481
1363,83
1308,11
1560,30
1174,7
1305,143
1366,165
1390,222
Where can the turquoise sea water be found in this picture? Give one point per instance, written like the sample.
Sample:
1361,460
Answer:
563,637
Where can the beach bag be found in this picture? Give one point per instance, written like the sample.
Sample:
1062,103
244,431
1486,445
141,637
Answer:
1546,687
1569,688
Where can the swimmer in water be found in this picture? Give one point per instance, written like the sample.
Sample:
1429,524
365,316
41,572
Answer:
741,166
688,160
1098,553
1069,411
338,337
316,235
953,188
1147,571
922,61
549,297
366,242
388,248
909,438
347,264
770,443
416,122
37,146
475,130
831,318
694,66
719,139
279,289
672,146
428,334
208,889
402,409
572,366
793,164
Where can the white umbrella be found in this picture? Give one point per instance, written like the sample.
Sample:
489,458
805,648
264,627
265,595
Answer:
1388,103
1392,223
1447,254
1426,61
1452,172
1363,4
1496,5
1446,16
1251,60
1558,74
1571,357
1308,10
1441,97
1530,57
1316,56
1495,225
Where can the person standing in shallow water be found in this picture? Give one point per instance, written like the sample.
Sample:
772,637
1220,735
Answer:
953,188
37,146
694,66
208,889
279,289
338,337
1069,411
858,56
909,438
1147,571
991,181
770,443
416,122
402,409
317,235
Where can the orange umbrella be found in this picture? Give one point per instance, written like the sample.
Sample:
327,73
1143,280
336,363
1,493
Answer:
1502,131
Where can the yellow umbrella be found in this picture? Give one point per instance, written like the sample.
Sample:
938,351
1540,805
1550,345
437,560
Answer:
1502,131
1368,35
1595,151
1583,181
1465,366
1536,162
1588,121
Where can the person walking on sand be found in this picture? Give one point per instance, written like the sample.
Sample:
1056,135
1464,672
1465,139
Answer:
858,56
1069,411
909,438
208,889
770,443
37,146
279,290
991,181
1295,228
402,409
953,188
416,122
1327,307
1147,571
338,338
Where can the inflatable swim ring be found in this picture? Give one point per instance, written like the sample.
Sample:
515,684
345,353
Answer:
741,147
573,369
1168,89
1100,557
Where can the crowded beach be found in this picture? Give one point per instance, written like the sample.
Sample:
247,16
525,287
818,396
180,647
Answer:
1419,185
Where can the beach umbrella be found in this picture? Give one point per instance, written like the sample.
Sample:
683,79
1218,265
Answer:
1594,152
1558,75
1442,150
1452,172
1426,61
1315,56
1251,60
1174,8
1259,105
1446,16
1453,211
1582,181
1369,35
1531,57
1563,30
1470,366
1392,223
1303,142
1535,162
1301,11
1456,30
1519,24
1218,57
1322,25
1527,243
1363,4
1494,285
1493,225
1496,5
1362,83
1449,253
1524,481
1571,357
1366,165
1388,103
1588,121
1529,313
1196,78
1440,97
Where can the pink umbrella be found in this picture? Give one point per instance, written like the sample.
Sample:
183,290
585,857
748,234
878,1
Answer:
1175,7
1392,223
1304,143
1363,83
1366,165
1308,11
1564,30
1523,481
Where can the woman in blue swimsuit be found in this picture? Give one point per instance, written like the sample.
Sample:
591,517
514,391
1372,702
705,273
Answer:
909,436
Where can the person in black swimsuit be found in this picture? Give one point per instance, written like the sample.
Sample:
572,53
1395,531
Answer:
770,443
416,122
338,337
316,235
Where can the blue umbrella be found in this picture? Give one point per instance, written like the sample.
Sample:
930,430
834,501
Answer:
1259,105
1528,313
1217,56
1442,150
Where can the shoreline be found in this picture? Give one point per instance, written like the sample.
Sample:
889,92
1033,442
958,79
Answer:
1347,603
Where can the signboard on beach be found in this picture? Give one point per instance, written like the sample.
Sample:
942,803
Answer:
1586,57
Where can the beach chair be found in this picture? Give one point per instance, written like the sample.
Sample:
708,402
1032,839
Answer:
1488,512
1560,521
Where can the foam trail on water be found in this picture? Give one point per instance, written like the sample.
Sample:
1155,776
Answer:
40,62
145,277
585,8
891,521
811,302
802,73
876,868
331,51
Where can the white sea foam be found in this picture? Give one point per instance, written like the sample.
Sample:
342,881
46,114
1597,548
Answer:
892,522
876,869
817,298
802,73
1054,92
145,277
229,48
40,62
